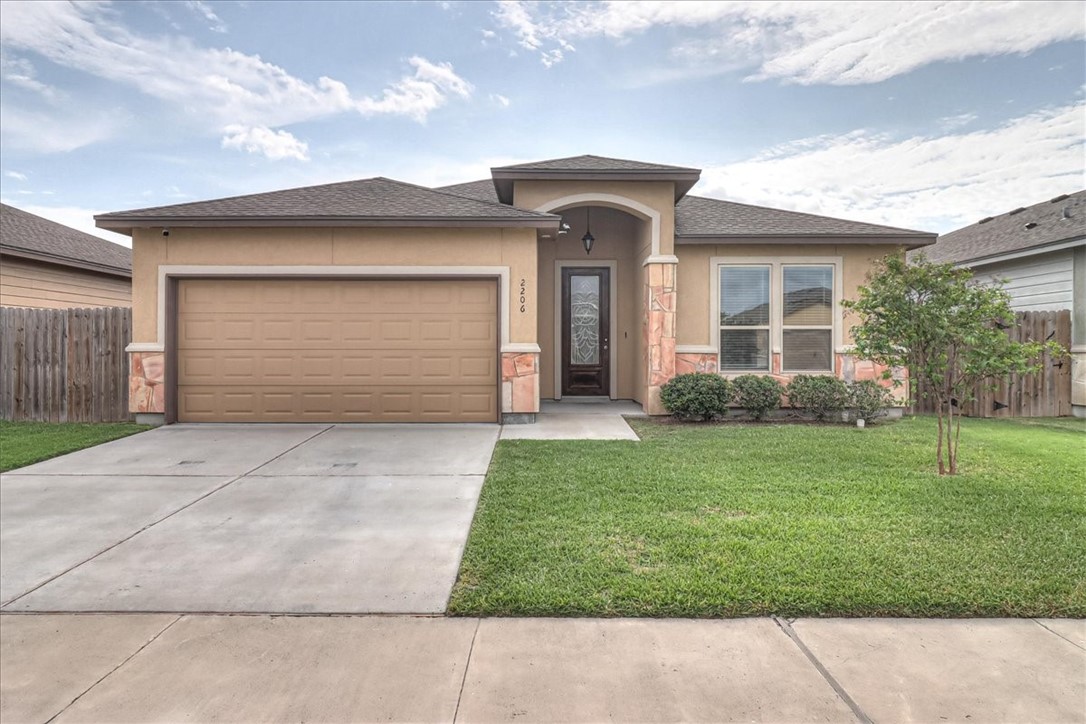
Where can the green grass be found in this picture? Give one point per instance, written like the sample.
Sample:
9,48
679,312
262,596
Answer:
739,520
24,443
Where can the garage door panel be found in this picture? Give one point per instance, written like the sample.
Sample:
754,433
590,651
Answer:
337,350
337,404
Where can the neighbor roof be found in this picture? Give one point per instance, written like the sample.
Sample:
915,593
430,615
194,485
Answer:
1049,222
374,202
592,168
27,235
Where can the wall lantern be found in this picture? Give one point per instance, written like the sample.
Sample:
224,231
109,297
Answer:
588,239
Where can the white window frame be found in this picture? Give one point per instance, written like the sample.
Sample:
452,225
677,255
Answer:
768,327
776,306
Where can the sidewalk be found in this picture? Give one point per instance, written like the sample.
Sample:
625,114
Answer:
165,667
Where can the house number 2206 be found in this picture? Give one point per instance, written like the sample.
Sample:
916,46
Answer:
523,294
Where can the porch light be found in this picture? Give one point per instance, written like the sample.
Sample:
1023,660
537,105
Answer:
588,239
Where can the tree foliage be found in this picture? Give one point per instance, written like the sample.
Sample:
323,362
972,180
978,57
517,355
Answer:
947,329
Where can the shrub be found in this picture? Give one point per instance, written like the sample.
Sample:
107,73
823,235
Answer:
818,395
757,394
696,396
869,399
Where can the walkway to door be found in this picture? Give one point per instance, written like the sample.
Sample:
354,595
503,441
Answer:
578,419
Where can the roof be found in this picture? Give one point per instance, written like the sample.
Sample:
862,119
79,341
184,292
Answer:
593,163
1034,227
375,201
592,168
699,217
30,236
483,190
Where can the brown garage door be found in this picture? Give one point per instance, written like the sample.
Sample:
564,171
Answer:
276,350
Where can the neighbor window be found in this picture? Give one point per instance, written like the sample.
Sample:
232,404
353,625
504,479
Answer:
774,305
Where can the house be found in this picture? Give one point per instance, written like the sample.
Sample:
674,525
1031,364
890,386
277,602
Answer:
48,265
377,300
1039,252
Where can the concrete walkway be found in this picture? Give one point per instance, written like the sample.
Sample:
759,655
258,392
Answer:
163,667
578,419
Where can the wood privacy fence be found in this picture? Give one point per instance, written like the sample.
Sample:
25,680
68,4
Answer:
1046,393
64,365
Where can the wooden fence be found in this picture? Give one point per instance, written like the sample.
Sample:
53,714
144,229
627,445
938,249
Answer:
64,365
1046,393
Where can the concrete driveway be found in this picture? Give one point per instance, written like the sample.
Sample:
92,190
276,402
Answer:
246,518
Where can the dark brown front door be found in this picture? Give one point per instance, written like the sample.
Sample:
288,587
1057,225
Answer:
586,331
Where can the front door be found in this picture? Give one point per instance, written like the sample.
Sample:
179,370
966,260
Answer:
586,331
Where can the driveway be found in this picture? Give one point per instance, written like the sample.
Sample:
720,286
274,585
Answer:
246,518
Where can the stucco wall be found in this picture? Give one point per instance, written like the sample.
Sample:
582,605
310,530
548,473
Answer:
694,281
515,248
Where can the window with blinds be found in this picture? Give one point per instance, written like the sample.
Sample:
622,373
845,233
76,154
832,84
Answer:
788,306
744,318
807,318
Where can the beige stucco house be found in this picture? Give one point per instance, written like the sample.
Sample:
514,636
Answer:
46,265
377,300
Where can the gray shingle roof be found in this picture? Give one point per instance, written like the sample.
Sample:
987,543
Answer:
593,163
376,198
23,233
483,190
1060,219
698,216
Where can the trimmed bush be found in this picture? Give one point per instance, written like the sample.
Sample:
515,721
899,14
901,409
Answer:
757,394
696,396
869,399
818,395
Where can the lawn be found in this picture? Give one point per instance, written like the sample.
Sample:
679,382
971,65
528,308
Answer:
23,443
741,520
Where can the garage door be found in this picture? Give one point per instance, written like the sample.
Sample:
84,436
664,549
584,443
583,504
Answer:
322,350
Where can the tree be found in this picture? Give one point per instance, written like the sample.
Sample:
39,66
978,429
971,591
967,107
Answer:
947,329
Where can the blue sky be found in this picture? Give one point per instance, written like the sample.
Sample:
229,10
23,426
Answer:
925,115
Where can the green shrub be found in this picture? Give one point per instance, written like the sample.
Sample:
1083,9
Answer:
869,399
696,396
819,395
757,394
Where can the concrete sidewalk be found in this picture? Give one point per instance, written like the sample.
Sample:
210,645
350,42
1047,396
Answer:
166,667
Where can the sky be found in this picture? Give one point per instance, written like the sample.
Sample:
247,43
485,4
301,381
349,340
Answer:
924,115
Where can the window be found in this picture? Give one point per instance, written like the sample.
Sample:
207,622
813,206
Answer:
744,318
779,306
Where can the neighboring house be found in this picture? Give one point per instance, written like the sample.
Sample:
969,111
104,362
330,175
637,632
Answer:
48,265
377,300
1039,253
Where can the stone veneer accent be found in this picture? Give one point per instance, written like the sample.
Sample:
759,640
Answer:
146,382
848,368
659,332
520,382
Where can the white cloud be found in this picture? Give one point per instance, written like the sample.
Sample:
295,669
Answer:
839,43
55,130
951,123
500,100
215,86
21,72
274,145
934,183
77,218
417,96
15,175
203,9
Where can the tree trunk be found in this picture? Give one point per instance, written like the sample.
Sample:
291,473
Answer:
939,449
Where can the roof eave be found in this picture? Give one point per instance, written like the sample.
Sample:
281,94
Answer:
684,180
66,261
126,225
910,241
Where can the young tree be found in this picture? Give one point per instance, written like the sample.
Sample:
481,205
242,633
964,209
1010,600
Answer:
947,329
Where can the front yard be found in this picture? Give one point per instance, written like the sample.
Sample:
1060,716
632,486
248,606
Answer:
24,443
739,520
